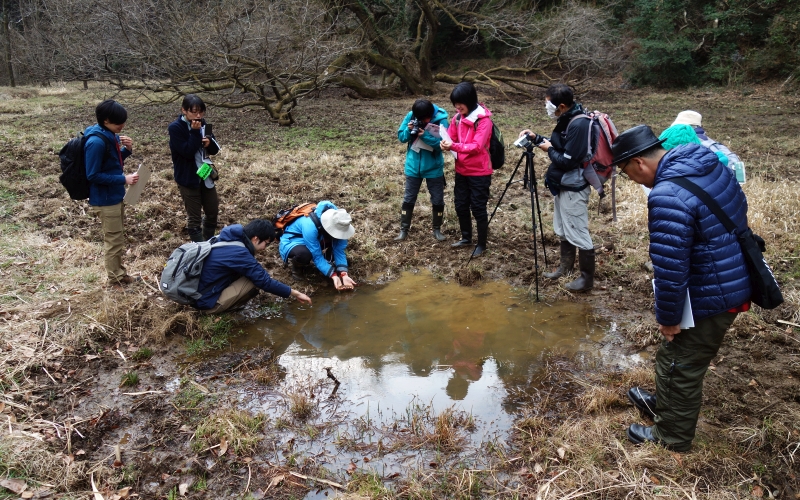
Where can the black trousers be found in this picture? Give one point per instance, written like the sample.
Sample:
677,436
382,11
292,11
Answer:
471,194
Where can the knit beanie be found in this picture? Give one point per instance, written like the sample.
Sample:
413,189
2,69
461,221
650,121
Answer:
677,135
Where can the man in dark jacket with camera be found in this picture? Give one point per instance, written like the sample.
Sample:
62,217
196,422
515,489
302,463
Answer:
190,143
695,257
567,150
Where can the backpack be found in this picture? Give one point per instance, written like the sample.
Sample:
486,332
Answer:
288,215
497,148
181,275
73,165
602,133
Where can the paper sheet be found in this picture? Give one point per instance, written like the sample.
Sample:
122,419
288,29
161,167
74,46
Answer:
135,192
420,144
446,137
687,319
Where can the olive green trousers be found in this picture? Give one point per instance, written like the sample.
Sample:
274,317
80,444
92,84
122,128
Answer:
681,366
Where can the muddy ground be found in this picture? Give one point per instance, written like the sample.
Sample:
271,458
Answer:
70,341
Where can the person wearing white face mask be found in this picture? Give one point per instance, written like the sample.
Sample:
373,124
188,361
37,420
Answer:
567,150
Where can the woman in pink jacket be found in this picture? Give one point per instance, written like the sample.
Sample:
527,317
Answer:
470,131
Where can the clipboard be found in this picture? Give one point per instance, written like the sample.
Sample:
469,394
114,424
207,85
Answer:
134,192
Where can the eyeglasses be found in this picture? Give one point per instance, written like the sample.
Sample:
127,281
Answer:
622,169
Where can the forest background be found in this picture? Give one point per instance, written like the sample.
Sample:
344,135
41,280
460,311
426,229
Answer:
270,54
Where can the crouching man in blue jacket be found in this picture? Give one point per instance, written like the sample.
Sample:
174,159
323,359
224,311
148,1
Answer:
691,251
231,274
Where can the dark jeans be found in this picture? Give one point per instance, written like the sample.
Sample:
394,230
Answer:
471,193
302,255
198,200
435,189
681,366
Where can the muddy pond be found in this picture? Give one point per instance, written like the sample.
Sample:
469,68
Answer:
406,353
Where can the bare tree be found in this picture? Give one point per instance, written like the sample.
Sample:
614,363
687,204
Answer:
256,53
7,52
271,53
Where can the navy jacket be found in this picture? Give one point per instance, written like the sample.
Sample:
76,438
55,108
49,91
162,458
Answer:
184,142
224,265
104,167
689,246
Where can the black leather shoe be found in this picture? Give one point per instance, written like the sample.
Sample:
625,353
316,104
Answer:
644,401
638,434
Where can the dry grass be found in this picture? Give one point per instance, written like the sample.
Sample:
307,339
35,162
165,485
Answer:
54,301
32,460
240,431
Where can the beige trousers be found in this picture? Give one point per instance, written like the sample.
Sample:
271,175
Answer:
237,294
112,222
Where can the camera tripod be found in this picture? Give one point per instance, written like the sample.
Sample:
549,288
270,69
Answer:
529,182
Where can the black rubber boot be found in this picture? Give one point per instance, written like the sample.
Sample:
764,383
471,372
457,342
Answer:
465,223
567,261
586,264
297,270
438,218
209,232
196,234
406,213
483,233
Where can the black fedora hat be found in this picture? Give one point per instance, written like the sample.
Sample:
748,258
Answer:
633,142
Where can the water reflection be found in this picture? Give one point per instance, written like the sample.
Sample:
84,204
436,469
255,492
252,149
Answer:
418,326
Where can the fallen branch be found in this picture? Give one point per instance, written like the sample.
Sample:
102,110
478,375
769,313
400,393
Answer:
312,478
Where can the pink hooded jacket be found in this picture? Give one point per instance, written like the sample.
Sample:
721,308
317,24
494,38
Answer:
471,143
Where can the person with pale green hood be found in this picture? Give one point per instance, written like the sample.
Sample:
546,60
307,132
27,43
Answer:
677,135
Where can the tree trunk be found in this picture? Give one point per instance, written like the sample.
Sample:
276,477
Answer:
7,36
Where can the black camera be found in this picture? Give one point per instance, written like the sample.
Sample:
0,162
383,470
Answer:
527,141
416,126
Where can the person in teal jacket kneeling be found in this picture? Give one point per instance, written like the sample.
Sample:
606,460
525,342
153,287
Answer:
424,160
320,237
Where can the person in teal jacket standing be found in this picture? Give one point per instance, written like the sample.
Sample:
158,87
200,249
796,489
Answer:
424,160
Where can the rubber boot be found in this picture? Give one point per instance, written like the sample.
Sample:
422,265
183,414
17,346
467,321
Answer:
586,264
406,213
209,232
483,233
567,261
196,234
438,218
297,270
465,223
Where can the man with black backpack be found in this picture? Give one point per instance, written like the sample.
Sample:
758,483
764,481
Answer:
104,153
231,274
568,149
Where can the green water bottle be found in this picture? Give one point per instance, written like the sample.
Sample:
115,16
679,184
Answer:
204,171
738,169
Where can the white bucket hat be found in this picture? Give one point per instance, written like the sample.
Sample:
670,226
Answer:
689,117
337,223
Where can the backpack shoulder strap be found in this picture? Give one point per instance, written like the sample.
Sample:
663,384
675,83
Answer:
588,133
218,244
706,198
106,140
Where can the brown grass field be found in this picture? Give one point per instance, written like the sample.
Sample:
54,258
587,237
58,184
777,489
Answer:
68,340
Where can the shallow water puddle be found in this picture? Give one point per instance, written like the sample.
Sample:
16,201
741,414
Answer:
409,350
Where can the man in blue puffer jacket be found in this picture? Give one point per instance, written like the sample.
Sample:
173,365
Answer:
104,154
691,250
321,239
231,274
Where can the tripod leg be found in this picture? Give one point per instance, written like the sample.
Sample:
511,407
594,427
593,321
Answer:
508,184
